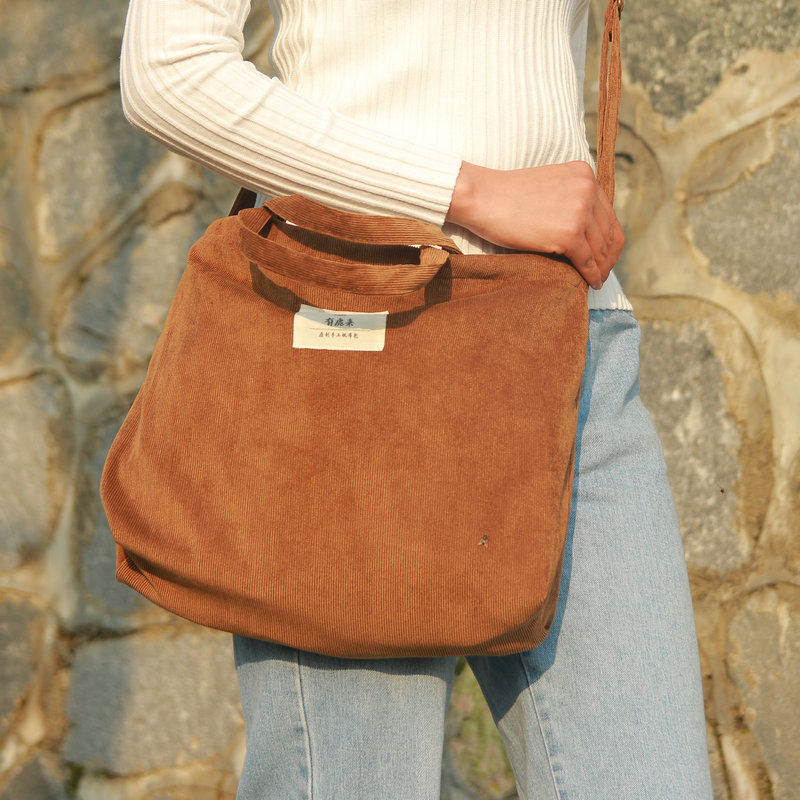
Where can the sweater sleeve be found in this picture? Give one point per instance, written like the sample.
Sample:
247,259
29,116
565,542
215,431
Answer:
184,82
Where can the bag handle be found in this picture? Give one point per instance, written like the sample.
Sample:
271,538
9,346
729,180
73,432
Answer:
360,228
337,223
311,266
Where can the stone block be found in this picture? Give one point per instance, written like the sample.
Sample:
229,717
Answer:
78,38
98,569
721,165
97,547
791,542
117,311
187,793
35,449
40,778
749,232
17,319
219,193
257,35
701,381
90,160
718,783
63,38
764,662
679,51
193,782
17,644
10,146
476,764
150,700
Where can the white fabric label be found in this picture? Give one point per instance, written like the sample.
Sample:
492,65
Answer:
320,329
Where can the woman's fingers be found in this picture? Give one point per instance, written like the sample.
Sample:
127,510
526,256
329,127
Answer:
594,252
597,235
604,236
583,259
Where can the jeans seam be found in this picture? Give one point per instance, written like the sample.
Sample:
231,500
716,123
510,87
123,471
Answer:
304,720
556,793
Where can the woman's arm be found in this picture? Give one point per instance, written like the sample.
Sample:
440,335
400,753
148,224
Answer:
184,82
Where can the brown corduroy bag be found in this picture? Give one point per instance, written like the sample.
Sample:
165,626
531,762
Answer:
352,438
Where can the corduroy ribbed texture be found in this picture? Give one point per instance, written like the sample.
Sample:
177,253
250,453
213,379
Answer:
409,501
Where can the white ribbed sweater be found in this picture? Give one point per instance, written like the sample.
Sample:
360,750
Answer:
374,103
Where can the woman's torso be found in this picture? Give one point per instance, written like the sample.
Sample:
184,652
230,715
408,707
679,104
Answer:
500,83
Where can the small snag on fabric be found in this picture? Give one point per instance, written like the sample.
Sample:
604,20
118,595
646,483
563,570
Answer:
484,541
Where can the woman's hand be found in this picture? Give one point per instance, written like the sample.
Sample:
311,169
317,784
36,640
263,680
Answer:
559,208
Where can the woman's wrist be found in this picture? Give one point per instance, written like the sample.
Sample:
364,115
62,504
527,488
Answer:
462,203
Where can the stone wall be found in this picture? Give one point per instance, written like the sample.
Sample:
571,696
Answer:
103,696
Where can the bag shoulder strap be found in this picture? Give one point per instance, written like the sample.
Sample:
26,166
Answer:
609,93
610,90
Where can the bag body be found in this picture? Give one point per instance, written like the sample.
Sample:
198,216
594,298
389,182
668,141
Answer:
354,439
354,502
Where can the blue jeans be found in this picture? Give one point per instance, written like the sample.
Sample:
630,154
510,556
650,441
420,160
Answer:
608,707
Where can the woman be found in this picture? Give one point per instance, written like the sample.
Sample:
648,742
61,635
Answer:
469,117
